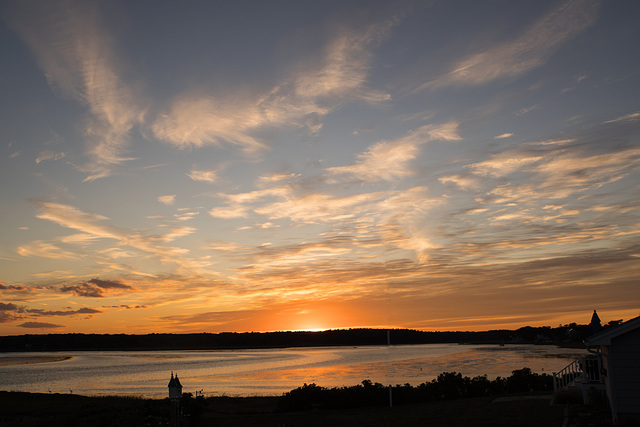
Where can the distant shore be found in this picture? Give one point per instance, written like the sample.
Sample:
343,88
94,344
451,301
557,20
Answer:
563,336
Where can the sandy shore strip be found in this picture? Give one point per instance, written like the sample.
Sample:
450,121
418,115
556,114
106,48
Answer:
30,360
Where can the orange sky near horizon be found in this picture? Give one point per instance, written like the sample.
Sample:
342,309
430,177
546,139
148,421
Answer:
315,317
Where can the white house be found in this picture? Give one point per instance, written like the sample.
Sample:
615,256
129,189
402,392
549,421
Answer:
619,348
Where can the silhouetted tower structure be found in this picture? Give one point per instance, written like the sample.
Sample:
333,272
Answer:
175,395
596,326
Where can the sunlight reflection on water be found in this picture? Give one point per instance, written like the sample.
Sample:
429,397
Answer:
269,371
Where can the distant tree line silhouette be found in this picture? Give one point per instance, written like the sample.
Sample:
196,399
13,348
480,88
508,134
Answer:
232,340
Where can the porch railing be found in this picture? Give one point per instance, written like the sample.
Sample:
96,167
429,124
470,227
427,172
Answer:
584,370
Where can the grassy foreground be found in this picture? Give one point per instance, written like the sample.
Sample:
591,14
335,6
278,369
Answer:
523,399
35,409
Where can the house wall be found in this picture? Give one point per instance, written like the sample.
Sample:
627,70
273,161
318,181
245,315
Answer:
624,355
607,376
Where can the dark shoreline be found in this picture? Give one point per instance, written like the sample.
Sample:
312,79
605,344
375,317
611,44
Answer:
562,336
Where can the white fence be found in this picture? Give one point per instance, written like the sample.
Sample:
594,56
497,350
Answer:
585,370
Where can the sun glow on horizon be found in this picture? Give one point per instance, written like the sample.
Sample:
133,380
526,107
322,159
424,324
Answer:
310,330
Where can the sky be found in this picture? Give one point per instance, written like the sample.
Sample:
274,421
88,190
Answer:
206,166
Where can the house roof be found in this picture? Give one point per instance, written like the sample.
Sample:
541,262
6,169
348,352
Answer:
604,337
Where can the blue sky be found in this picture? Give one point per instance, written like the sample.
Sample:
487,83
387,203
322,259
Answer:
218,166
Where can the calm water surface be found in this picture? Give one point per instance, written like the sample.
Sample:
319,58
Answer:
267,371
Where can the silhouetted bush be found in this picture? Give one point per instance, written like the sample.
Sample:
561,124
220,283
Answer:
304,397
478,386
523,380
448,385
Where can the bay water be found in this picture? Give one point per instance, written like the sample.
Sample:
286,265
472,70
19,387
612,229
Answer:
265,371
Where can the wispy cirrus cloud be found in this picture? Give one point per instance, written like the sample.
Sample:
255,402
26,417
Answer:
464,182
43,249
345,66
531,49
197,120
553,192
503,135
194,119
168,199
388,160
73,218
395,214
203,175
318,207
97,226
49,155
238,205
390,219
277,177
177,232
627,117
568,173
79,61
559,173
504,163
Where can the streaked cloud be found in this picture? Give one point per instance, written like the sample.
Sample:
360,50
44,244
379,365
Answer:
527,110
626,117
312,208
552,142
178,232
276,177
40,325
194,120
49,155
84,310
168,199
81,63
96,226
227,212
504,163
12,312
4,287
531,49
388,160
95,288
345,67
464,182
203,175
503,136
45,250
